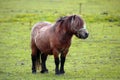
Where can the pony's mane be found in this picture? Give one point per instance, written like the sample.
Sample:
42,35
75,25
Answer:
73,20
61,19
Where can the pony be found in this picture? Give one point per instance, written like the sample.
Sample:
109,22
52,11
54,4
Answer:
55,39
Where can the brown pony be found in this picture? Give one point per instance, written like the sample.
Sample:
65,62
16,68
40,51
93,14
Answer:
54,39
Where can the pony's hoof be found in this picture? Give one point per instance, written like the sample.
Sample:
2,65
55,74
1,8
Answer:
62,72
44,71
33,72
57,73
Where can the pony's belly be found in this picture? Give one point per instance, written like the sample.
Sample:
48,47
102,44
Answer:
46,51
44,47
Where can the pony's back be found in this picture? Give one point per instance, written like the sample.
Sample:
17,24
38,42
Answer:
36,28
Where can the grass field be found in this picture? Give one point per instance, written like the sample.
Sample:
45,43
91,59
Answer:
96,58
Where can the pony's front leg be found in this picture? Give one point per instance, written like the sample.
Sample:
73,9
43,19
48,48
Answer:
63,58
56,59
62,65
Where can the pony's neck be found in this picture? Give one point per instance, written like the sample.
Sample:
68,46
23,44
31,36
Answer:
63,32
66,37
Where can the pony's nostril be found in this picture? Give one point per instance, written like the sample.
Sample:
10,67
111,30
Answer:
86,34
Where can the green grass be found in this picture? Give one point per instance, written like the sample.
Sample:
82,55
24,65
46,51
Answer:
96,58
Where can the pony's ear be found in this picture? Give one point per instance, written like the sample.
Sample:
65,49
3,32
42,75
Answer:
74,16
72,19
61,19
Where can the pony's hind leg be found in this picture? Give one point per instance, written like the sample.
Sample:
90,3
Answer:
43,59
34,56
38,62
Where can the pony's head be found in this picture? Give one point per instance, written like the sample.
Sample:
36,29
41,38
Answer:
78,26
75,25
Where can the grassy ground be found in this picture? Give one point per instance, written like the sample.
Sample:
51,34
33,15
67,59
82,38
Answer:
97,58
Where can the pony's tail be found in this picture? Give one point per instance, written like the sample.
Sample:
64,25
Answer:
38,61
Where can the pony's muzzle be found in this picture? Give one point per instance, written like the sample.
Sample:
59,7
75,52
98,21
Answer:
82,34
